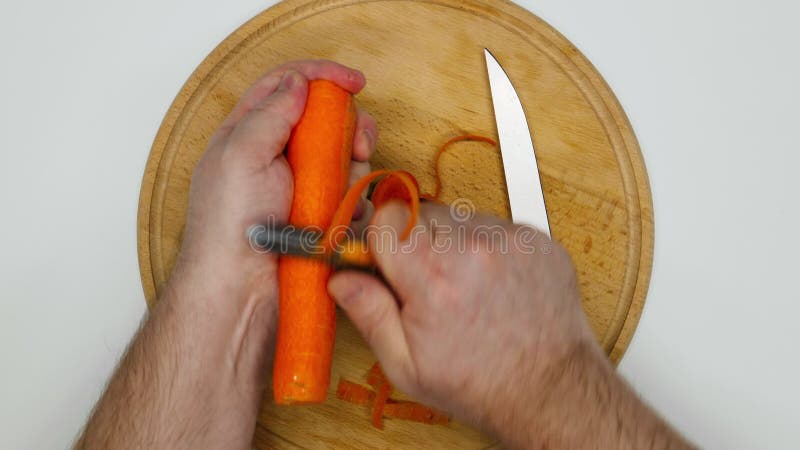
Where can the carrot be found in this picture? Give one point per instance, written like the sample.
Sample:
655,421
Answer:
319,153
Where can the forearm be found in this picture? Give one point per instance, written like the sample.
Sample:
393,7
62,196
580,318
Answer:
583,403
193,376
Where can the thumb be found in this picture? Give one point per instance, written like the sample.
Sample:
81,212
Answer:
374,311
403,263
265,129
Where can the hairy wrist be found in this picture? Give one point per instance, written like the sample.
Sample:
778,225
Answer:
183,361
579,401
233,319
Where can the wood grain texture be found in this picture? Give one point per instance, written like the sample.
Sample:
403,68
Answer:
427,83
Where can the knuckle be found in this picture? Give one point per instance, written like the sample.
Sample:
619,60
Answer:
373,321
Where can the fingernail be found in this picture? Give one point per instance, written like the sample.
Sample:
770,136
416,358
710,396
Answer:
290,80
356,75
343,290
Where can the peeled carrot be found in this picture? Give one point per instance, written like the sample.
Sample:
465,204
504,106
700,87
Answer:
319,153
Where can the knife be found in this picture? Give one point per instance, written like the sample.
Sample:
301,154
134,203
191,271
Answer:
523,183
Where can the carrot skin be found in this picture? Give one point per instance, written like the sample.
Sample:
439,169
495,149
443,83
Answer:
354,393
337,231
466,137
392,187
383,388
381,403
414,412
375,376
318,152
381,396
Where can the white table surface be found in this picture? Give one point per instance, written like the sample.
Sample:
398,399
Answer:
710,87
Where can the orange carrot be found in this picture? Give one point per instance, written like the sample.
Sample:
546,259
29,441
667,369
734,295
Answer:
319,153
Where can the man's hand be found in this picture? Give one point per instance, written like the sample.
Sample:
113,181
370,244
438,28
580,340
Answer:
243,179
470,327
482,318
195,374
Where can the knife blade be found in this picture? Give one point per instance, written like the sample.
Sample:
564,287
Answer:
521,170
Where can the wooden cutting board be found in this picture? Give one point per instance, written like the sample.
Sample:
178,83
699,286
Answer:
427,83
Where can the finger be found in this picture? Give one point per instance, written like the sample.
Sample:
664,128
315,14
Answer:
357,171
264,131
360,209
350,79
373,310
315,69
412,265
365,138
401,263
360,223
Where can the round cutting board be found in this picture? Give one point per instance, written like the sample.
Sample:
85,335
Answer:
426,83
